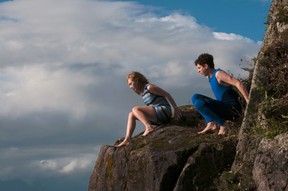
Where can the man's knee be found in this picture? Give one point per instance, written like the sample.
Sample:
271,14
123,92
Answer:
197,101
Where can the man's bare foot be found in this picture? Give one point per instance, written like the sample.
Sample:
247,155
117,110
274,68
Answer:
222,130
147,132
123,143
211,126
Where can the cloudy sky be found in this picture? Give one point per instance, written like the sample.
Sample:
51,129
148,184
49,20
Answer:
63,64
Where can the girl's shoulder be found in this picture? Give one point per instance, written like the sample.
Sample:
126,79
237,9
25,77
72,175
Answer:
148,86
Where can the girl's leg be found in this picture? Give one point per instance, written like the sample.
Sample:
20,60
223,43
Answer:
131,123
145,114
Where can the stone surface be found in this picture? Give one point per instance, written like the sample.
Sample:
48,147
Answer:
271,164
173,157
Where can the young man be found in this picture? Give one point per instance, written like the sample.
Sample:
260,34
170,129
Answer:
227,105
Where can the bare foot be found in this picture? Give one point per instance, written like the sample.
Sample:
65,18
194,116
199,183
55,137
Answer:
147,132
211,126
123,143
222,130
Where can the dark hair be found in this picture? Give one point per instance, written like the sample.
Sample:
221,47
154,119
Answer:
205,58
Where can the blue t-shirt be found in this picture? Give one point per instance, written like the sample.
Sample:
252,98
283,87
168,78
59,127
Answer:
217,88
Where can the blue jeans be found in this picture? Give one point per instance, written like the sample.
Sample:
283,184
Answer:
228,108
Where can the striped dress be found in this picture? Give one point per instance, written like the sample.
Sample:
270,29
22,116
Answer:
160,104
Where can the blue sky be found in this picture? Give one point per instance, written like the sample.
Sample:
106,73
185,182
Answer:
63,91
244,17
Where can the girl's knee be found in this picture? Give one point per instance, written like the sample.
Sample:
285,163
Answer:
135,109
130,115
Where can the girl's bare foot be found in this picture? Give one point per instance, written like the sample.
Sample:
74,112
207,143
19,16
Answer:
222,130
211,126
123,143
147,132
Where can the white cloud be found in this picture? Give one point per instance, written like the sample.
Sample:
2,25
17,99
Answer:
63,67
46,161
231,36
44,89
67,165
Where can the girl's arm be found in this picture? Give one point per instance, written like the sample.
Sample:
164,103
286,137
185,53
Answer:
159,91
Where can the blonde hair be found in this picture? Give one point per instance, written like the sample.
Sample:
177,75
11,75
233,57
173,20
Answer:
137,77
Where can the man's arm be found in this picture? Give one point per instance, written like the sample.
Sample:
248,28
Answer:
226,79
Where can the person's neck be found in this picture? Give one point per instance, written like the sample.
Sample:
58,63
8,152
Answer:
210,72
